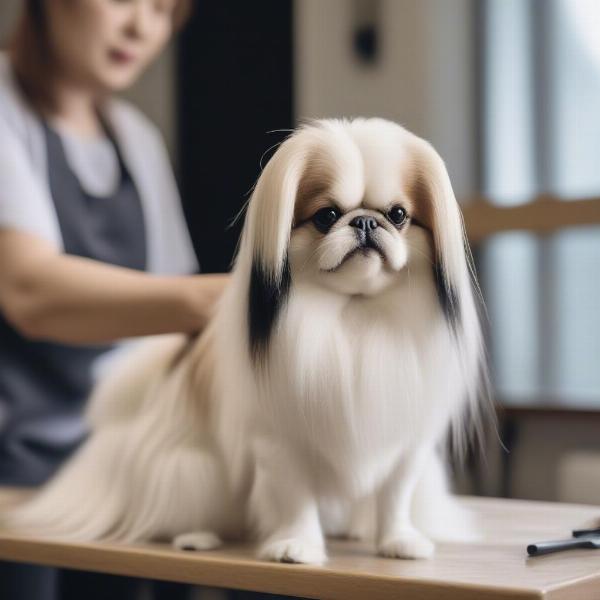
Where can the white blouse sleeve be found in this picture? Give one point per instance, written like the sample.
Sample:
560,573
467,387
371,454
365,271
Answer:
25,203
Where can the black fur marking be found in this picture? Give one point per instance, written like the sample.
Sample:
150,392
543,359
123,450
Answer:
265,302
448,297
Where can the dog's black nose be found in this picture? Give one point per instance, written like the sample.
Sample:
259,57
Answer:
364,223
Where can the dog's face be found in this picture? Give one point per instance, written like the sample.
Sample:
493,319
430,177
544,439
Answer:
351,206
355,225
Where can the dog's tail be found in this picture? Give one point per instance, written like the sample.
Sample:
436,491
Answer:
79,503
120,395
437,512
87,498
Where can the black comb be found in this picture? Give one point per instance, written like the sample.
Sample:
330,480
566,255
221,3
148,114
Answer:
580,541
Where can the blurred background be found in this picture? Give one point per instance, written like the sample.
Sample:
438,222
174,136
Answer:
508,91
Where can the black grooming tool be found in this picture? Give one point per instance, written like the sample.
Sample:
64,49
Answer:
580,532
582,538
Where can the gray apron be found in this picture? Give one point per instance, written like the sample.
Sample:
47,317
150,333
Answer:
44,385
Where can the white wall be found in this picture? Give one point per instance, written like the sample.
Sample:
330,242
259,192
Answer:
424,79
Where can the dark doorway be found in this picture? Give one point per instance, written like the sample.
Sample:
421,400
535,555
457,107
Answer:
235,85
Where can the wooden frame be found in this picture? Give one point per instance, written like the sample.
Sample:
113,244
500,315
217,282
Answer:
545,214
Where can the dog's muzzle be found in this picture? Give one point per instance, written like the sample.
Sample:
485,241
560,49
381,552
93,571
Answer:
364,228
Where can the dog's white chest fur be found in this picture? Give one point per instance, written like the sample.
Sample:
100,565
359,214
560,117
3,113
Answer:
357,383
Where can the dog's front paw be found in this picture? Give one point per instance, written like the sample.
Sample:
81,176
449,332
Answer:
293,550
411,544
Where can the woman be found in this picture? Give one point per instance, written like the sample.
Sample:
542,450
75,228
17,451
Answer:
93,243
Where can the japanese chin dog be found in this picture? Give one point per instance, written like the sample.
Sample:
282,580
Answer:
346,346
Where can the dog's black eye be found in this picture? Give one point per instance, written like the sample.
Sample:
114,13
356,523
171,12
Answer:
397,215
325,218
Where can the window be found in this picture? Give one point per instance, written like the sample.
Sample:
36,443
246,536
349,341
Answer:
540,267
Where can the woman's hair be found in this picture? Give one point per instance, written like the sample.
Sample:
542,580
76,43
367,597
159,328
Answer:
31,52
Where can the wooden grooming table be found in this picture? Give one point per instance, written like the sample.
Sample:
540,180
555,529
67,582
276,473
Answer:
497,567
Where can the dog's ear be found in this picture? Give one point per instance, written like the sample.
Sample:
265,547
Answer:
436,208
268,227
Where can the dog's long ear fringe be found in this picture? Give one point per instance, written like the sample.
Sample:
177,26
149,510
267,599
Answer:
447,296
266,299
447,292
441,215
269,223
457,291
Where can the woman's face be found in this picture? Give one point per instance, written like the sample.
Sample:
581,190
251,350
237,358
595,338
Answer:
106,44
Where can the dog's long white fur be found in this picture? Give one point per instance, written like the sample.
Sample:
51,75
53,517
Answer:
341,419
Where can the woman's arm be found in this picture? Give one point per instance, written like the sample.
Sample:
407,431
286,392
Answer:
64,298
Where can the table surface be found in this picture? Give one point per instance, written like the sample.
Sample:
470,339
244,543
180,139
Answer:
496,567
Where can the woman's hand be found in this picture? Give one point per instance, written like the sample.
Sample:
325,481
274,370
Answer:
53,296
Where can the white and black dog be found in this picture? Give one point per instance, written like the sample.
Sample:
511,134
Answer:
346,345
